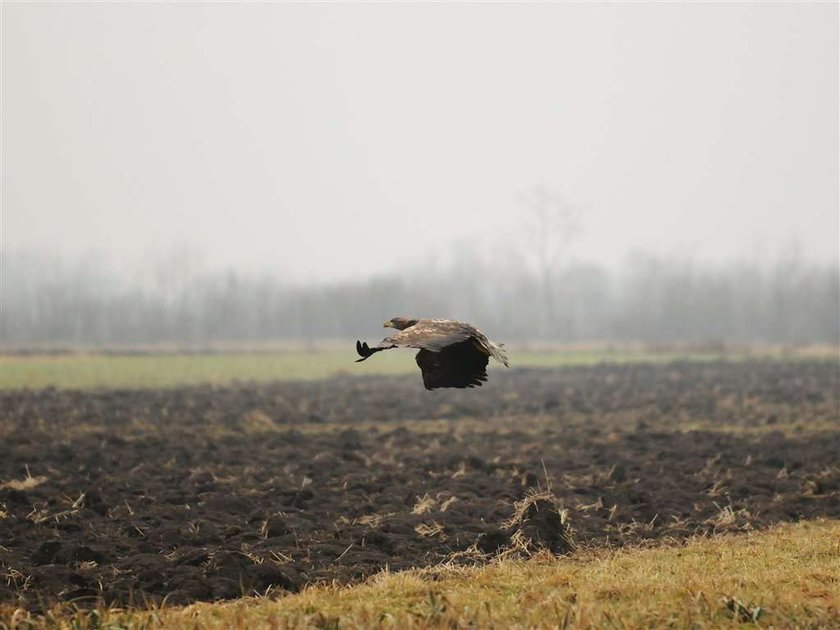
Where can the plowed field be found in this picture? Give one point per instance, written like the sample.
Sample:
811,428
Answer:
203,493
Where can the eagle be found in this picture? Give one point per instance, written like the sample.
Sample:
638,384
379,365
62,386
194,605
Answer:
452,353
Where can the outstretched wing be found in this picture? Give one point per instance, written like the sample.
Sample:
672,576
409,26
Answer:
461,365
432,334
428,334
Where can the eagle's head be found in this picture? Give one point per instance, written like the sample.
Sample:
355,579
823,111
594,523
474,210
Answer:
400,323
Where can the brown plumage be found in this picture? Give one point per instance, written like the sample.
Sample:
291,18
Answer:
452,353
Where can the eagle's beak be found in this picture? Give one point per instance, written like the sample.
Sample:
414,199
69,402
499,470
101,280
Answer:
387,324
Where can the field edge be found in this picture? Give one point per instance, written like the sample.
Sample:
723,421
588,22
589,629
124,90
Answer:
785,577
170,370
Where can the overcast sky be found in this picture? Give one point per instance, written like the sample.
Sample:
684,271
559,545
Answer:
328,140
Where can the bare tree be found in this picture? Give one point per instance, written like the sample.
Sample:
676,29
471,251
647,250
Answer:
554,224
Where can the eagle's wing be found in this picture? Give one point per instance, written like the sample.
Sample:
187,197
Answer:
431,334
436,334
461,365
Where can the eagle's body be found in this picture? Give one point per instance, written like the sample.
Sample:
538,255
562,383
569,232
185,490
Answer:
452,353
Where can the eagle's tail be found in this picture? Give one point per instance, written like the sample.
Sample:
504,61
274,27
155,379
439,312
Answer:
497,351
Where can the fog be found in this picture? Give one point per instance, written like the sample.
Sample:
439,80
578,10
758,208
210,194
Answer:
152,146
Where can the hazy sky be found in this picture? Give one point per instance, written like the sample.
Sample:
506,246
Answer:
331,140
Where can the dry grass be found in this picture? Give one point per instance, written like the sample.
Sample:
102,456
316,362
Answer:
27,483
784,578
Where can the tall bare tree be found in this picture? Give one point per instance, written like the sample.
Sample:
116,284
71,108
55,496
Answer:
553,225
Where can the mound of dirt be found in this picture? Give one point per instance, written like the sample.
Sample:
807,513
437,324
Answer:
538,523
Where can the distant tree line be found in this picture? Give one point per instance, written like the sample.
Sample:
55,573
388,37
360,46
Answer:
653,300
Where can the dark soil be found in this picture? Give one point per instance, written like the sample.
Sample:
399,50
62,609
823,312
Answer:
207,493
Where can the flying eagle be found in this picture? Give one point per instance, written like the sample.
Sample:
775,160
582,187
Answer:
452,353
